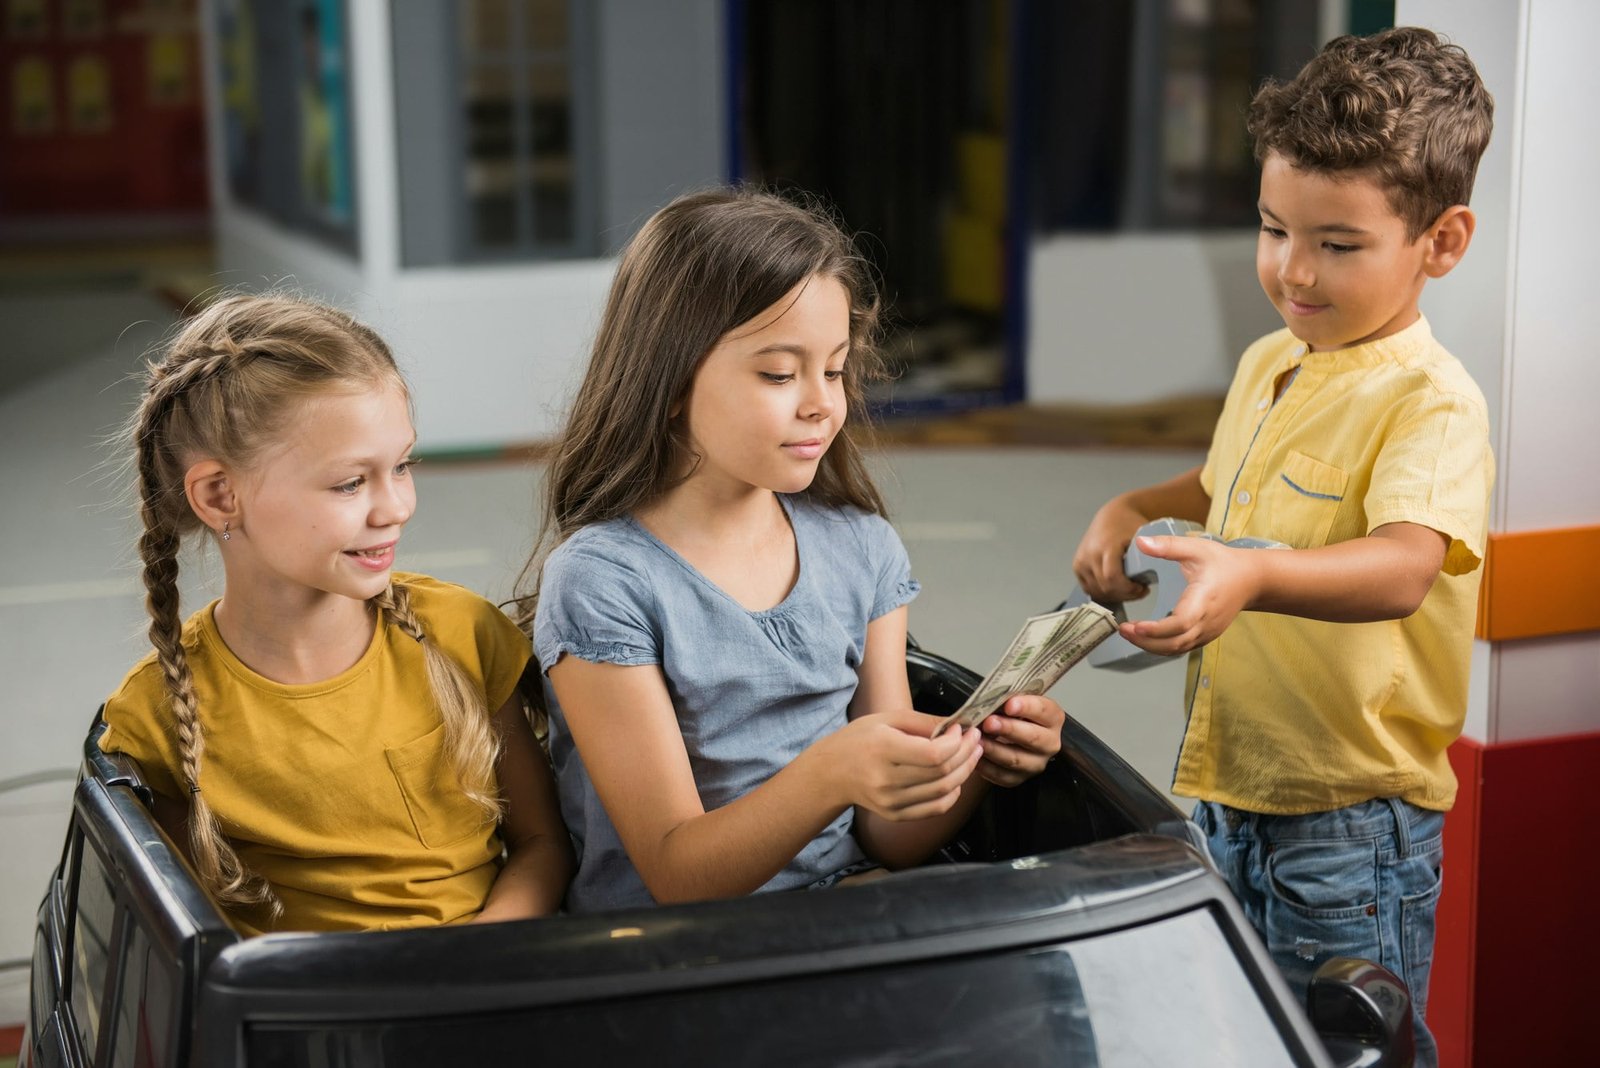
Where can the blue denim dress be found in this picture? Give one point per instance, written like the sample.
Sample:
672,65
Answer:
751,689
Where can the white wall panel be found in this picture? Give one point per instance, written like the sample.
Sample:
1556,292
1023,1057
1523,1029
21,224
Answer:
1467,308
1129,318
1547,687
1554,450
493,354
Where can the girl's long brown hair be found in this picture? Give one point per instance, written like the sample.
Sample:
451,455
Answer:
226,388
702,266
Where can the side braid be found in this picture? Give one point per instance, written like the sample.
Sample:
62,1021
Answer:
168,383
220,867
470,739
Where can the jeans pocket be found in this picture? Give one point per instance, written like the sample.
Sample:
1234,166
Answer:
1321,902
1325,880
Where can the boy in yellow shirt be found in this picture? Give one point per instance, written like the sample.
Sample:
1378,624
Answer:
1326,683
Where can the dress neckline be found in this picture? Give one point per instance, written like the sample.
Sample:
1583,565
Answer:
779,609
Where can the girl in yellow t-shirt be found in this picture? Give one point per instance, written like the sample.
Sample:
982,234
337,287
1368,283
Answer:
335,746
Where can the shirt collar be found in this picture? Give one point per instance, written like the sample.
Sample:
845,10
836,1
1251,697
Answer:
1403,347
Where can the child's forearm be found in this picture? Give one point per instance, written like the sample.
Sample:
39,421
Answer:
533,880
734,850
900,844
1385,575
1182,497
882,760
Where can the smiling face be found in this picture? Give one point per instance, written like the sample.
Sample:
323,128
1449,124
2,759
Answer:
769,398
1333,257
323,511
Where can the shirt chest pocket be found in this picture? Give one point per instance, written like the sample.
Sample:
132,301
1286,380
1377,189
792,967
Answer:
441,814
1305,500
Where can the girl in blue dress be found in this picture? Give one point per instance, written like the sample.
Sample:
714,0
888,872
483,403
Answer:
722,620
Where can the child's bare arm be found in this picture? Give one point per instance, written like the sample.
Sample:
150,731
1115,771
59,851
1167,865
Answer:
626,730
884,689
1098,561
1382,576
539,860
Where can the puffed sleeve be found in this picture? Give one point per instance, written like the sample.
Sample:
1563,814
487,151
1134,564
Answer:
597,607
891,566
1436,470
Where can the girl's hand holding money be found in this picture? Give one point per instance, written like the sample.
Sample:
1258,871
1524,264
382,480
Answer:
885,763
1020,739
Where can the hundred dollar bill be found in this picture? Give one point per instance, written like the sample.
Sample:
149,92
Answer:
1038,656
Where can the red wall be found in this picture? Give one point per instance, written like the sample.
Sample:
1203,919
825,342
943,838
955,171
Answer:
1518,944
150,155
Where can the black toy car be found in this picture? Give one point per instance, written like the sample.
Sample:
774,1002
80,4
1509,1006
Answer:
1073,922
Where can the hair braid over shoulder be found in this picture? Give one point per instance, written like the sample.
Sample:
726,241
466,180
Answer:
218,863
470,740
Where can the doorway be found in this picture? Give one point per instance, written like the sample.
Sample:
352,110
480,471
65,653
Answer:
896,113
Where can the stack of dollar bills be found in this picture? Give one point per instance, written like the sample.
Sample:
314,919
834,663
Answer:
1039,655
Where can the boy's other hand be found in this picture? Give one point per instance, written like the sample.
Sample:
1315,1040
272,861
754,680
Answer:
1020,739
1222,582
1097,564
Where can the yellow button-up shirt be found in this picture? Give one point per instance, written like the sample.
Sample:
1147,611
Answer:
1291,715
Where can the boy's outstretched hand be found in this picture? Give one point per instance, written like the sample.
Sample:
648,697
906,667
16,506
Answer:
1020,739
1222,582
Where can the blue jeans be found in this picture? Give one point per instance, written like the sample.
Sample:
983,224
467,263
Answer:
1361,881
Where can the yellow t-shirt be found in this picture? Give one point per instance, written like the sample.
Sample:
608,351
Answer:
1290,715
338,792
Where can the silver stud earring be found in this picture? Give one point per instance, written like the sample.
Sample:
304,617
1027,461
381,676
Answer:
225,534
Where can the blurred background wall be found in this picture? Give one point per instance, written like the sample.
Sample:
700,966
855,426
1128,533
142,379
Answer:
459,172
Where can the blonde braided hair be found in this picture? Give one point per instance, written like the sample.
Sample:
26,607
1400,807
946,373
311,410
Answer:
226,388
471,746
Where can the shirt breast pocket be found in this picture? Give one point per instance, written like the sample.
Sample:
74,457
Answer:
441,813
1305,501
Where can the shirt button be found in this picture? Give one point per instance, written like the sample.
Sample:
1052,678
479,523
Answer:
1263,404
1205,682
1244,497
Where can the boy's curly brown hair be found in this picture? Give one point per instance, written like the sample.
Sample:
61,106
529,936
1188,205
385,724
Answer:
1401,105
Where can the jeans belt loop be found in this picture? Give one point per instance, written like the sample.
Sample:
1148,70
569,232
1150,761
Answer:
1402,826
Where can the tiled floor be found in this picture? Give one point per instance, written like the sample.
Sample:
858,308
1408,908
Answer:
990,531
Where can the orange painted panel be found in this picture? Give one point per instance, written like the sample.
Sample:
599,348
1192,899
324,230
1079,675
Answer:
1540,582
